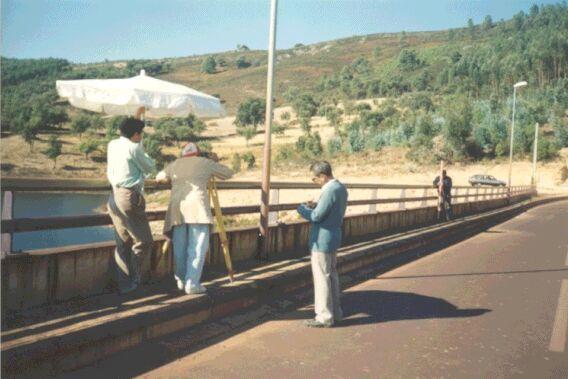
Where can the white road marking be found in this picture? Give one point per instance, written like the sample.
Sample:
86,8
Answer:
560,328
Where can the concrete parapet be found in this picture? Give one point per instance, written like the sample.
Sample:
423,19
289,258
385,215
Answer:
51,276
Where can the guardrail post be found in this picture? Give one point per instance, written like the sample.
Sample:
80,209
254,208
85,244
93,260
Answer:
466,198
274,199
402,204
7,214
476,193
456,193
373,207
424,202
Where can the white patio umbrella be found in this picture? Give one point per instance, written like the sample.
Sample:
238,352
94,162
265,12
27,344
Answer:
125,96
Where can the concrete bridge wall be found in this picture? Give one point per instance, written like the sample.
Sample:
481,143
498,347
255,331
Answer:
50,276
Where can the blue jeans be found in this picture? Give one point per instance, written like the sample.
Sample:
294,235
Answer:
190,244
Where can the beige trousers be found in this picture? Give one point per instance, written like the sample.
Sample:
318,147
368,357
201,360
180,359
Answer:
326,287
133,235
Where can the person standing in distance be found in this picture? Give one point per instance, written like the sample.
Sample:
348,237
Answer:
128,166
444,196
326,218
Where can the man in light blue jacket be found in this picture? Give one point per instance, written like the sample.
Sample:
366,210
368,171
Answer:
326,218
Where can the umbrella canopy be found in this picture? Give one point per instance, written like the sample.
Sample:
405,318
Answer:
125,96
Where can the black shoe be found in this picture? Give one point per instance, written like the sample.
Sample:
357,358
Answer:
126,290
313,323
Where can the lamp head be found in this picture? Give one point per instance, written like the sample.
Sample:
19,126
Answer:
520,84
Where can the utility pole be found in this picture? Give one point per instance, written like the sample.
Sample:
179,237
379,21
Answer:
515,86
264,242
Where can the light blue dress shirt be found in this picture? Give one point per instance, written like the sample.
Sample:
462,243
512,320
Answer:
127,164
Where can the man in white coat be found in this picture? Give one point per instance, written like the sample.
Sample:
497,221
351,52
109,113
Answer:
188,218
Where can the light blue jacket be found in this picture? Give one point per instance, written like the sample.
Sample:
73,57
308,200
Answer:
327,218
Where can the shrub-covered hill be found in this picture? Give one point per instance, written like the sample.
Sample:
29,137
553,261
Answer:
449,93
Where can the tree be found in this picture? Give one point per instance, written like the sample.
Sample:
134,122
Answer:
305,107
249,158
54,149
457,127
534,11
278,129
242,62
471,28
242,47
89,146
29,132
81,124
250,114
209,65
408,60
333,115
309,145
175,130
487,23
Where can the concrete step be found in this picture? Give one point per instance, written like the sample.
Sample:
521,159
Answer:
79,334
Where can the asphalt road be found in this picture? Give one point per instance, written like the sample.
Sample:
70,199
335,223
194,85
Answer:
492,306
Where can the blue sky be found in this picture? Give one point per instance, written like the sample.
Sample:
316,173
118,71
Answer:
94,30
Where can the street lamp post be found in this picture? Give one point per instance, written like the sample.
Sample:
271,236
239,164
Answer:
517,85
535,153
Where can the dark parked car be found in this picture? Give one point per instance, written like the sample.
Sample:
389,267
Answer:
486,180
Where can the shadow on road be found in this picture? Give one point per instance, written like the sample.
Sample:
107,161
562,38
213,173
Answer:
370,307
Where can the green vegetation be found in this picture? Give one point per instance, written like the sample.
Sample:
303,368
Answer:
209,65
54,149
445,94
88,146
176,130
250,114
249,159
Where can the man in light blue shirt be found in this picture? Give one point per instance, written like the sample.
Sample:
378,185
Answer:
326,218
128,166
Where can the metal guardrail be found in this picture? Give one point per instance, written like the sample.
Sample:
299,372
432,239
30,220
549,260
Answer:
13,185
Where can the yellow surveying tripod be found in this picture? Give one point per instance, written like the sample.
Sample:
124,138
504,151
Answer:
214,198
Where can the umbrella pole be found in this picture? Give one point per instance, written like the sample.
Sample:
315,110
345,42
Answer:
265,197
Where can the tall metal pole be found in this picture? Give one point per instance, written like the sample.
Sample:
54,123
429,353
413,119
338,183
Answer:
512,138
265,196
535,153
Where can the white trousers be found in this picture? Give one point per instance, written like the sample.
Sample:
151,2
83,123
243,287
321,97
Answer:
326,287
190,243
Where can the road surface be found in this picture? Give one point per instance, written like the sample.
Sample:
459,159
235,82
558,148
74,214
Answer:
492,306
